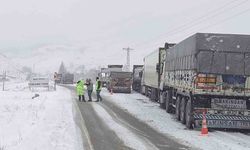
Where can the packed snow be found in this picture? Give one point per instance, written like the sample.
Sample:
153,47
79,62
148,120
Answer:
129,138
147,111
45,122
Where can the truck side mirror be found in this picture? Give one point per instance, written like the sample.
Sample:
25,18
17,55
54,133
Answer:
162,67
157,67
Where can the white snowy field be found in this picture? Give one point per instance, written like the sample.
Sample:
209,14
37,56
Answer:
45,122
147,111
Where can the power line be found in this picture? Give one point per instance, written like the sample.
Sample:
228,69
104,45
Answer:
128,57
225,19
198,20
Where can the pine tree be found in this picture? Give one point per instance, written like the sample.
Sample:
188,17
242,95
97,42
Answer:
62,69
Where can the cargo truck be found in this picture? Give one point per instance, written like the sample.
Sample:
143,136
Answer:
119,82
152,72
137,77
103,75
208,73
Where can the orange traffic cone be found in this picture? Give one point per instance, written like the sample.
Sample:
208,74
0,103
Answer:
204,129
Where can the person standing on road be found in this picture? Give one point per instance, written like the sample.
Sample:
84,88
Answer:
98,88
89,89
80,90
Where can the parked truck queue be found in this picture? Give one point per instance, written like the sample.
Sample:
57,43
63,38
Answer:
205,73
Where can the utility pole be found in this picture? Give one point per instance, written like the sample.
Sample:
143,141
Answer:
128,57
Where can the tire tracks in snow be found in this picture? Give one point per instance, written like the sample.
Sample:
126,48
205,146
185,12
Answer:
136,130
129,137
82,125
149,137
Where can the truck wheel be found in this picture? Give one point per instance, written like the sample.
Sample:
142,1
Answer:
177,108
167,101
152,95
189,115
183,110
142,90
146,91
163,100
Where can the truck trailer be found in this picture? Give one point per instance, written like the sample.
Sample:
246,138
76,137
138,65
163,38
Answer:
119,82
103,75
152,72
208,73
137,77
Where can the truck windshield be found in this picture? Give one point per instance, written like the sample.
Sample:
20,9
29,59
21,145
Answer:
218,62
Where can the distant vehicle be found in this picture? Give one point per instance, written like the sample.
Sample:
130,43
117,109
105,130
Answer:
137,77
119,82
38,82
103,75
67,78
115,67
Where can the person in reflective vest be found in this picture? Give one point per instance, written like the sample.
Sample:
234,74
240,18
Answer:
98,88
89,89
80,90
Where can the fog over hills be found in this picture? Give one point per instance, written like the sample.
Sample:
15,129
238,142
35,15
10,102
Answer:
47,59
11,68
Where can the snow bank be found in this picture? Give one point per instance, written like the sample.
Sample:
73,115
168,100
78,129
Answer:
144,109
45,122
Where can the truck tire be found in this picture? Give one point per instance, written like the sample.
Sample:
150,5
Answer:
189,115
167,102
163,99
183,110
142,90
146,91
152,95
177,108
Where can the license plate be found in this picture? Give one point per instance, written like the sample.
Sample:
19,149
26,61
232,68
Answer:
228,124
220,103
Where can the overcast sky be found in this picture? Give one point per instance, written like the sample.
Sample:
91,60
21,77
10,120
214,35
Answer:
101,28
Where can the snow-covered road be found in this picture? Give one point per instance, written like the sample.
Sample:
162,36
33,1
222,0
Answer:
54,121
46,122
111,128
149,112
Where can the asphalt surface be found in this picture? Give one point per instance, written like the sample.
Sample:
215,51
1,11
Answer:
98,136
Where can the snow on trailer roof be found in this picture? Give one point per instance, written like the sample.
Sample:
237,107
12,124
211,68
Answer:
211,53
211,41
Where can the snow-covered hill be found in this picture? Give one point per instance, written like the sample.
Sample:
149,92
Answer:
76,58
12,69
47,59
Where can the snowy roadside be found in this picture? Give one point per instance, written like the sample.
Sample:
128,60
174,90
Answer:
45,122
145,110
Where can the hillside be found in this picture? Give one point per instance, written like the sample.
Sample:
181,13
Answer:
12,69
